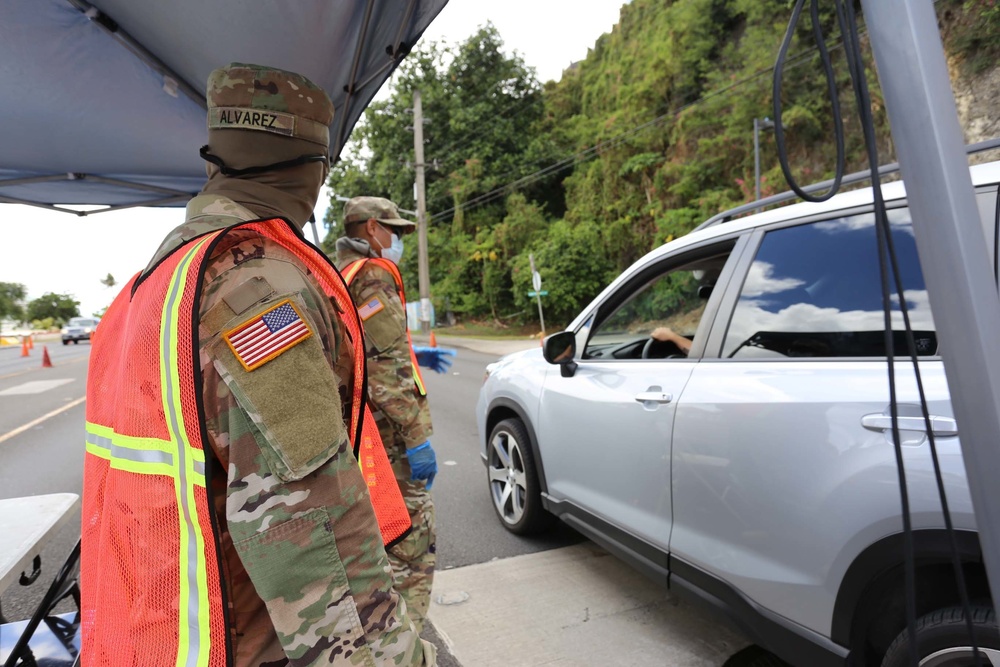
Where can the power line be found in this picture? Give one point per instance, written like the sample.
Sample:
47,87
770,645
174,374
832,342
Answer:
452,148
591,152
595,149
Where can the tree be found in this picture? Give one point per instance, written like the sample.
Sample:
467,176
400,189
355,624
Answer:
12,301
481,106
60,307
109,281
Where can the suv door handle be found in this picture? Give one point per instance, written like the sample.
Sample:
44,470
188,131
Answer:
943,427
653,397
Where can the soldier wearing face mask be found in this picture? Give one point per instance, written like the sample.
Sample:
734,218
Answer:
368,256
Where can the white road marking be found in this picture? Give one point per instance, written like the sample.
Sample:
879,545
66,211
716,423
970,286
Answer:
34,387
36,422
451,463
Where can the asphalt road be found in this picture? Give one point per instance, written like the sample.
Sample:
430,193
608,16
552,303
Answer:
41,445
468,530
47,457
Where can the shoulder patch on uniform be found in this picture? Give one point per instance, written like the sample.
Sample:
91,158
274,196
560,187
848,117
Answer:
267,335
247,293
371,308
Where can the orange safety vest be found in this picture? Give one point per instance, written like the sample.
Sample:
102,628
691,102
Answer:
150,563
351,272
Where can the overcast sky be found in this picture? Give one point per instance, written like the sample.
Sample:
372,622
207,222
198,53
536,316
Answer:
56,252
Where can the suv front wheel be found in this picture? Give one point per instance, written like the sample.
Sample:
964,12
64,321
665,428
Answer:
943,640
513,479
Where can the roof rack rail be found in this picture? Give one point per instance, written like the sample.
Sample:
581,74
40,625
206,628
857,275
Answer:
850,179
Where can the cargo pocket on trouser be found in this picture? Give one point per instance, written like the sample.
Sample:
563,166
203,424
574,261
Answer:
298,573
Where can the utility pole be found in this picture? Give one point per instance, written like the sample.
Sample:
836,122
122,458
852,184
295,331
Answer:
914,77
758,125
423,264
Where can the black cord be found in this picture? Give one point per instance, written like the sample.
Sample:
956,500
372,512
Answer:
846,16
888,263
831,81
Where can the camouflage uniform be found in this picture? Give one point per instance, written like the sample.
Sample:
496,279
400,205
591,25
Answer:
307,578
403,417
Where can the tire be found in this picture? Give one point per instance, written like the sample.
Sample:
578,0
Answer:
755,656
512,480
943,640
65,342
76,341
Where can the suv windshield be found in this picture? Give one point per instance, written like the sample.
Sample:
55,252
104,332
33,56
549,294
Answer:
81,322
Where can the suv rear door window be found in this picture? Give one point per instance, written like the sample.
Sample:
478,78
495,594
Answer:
813,290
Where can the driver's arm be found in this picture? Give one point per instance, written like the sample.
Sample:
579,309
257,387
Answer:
666,335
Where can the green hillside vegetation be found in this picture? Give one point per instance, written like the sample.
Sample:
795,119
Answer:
637,144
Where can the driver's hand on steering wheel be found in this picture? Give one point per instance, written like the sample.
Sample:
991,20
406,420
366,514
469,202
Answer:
666,335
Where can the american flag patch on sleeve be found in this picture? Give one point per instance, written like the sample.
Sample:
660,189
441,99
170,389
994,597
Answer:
370,308
268,335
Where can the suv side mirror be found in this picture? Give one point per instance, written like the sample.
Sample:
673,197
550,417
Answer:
560,349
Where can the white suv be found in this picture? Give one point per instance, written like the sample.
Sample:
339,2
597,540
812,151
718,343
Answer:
79,328
756,470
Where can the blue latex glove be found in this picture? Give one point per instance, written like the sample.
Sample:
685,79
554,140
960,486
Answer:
423,462
435,358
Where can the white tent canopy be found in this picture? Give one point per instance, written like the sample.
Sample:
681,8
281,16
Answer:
103,100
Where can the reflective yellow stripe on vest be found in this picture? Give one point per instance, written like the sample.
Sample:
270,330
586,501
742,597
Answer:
176,459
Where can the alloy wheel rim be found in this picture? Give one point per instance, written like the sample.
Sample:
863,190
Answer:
508,481
961,655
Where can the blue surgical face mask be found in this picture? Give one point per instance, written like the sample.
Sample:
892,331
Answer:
394,253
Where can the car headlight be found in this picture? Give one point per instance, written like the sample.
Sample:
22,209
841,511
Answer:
64,330
489,370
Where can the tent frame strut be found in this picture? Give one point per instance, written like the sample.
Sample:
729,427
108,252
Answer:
170,196
170,78
395,51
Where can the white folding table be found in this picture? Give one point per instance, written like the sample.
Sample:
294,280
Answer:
27,525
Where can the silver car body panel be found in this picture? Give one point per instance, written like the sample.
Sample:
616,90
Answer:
778,486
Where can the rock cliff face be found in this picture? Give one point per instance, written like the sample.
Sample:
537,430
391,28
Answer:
977,97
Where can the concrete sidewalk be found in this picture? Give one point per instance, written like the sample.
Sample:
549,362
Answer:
572,607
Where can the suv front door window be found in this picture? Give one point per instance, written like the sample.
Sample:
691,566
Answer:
657,319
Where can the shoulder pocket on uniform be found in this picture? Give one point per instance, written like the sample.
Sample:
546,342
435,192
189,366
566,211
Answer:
284,383
386,324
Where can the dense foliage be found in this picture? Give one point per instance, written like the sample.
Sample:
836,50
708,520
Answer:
59,307
12,301
648,136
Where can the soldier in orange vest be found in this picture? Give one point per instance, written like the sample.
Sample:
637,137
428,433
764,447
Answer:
237,503
368,255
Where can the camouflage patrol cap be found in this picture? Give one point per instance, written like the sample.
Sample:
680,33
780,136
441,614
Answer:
253,97
360,209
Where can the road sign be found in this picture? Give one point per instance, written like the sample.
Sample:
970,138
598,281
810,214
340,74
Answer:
542,293
536,280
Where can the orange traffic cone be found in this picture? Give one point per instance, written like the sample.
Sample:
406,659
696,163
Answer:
31,342
46,362
434,342
24,348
